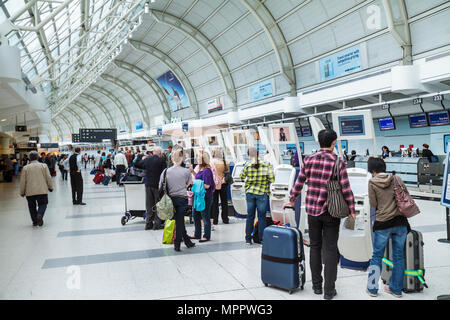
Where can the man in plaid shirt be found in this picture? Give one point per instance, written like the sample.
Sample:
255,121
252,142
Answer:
258,175
316,171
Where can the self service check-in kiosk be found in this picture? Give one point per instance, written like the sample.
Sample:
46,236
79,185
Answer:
355,237
241,140
285,141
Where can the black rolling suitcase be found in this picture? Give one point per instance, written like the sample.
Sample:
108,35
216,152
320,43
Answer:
414,279
283,258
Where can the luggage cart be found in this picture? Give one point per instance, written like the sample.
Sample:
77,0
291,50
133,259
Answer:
134,200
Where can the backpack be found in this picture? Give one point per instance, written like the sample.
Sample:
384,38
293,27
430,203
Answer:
164,206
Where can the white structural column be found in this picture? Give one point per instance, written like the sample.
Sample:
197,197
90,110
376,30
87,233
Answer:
77,116
173,66
117,103
112,123
149,80
88,112
208,47
397,19
276,37
133,94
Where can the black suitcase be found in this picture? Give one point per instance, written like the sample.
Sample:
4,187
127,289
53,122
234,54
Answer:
414,279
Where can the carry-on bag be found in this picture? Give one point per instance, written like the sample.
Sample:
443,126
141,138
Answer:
106,180
98,177
168,234
414,278
283,258
405,203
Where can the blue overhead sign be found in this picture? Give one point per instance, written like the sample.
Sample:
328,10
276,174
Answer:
159,132
340,64
185,126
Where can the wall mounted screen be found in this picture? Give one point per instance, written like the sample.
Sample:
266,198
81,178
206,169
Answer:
352,125
386,124
418,120
306,132
438,118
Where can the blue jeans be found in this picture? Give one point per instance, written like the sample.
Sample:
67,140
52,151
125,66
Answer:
255,201
380,241
204,215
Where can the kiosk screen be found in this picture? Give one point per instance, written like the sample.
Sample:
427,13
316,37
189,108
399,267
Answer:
282,176
237,171
359,184
352,125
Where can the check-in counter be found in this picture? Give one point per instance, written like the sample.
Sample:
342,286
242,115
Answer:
418,171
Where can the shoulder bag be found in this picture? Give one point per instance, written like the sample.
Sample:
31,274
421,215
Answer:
164,206
227,174
337,206
405,203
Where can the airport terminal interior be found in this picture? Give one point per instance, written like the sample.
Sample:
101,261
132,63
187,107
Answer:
216,77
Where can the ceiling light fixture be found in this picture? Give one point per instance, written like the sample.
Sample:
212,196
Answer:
3,120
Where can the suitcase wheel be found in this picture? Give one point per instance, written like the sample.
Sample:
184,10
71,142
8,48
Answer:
124,220
266,284
290,291
384,281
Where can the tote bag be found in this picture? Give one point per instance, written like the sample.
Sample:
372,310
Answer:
337,206
164,206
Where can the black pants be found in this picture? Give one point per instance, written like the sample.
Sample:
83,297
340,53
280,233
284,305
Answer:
324,231
222,193
76,181
119,170
41,201
180,205
152,195
63,174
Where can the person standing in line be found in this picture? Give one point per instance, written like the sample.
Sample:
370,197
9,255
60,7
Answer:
258,175
389,223
85,160
221,189
204,173
178,179
97,160
35,182
62,167
153,167
76,179
129,157
42,158
120,162
107,165
316,171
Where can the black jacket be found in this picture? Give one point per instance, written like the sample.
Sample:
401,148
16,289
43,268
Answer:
153,166
426,153
73,163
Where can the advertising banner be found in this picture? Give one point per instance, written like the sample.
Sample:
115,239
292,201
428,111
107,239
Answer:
174,91
122,128
215,105
340,64
261,90
139,125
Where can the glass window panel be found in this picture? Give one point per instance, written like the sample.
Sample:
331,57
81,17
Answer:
14,6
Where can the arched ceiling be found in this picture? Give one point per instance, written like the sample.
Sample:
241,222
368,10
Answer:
216,48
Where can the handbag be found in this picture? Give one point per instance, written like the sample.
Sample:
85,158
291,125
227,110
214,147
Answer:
405,203
337,206
164,206
227,174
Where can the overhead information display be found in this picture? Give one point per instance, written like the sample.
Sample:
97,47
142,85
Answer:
418,120
386,124
97,135
438,118
75,137
49,145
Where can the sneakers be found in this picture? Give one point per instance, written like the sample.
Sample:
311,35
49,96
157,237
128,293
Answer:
371,294
317,290
39,221
388,290
248,242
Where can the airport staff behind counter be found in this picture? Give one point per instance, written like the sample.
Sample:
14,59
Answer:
426,152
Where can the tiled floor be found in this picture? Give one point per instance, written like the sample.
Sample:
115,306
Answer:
111,261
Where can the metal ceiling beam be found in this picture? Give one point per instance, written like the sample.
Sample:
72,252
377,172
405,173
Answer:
89,113
58,129
174,67
116,102
151,82
133,94
201,40
277,39
67,122
397,19
97,103
81,122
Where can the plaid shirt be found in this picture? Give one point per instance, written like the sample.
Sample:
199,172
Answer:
317,170
257,181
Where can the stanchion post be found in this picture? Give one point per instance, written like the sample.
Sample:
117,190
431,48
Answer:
447,211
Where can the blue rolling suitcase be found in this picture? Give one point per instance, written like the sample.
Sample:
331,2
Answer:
283,258
106,180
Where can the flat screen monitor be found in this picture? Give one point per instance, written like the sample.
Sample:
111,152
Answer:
352,125
282,176
418,120
386,124
306,132
438,118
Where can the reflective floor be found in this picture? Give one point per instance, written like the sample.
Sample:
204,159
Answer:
83,252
